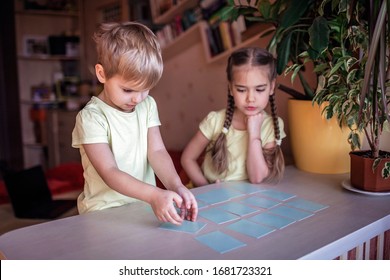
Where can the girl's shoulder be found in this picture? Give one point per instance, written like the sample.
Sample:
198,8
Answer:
212,123
268,119
216,115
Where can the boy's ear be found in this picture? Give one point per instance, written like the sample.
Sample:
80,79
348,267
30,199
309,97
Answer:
99,70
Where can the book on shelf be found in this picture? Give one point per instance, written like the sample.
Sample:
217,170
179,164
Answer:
214,50
163,6
167,33
205,4
224,30
210,8
237,27
217,39
224,35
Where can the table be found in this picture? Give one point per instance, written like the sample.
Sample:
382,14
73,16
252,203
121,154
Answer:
132,231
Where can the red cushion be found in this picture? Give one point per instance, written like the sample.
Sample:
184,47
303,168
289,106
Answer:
3,193
176,156
71,173
59,186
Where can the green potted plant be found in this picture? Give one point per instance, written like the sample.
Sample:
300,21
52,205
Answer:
355,85
317,144
348,44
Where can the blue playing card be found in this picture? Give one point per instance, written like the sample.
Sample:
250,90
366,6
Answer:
272,220
220,241
260,202
201,204
306,205
218,195
186,226
277,195
250,228
237,208
218,216
246,188
291,213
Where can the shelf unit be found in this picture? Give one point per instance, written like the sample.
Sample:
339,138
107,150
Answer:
21,11
195,34
185,40
168,16
48,57
38,69
254,40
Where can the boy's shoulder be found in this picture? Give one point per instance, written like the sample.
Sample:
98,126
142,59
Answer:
93,104
149,100
92,112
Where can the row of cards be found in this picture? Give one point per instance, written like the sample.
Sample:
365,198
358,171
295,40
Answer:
255,212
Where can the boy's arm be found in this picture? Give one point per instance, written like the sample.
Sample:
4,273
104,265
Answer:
161,201
189,159
164,168
161,161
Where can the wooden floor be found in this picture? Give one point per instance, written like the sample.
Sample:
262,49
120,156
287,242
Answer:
9,222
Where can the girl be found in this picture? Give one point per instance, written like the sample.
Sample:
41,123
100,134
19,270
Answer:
243,141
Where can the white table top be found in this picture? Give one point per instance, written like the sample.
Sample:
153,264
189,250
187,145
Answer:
132,231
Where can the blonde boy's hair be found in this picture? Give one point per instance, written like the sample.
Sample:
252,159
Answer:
130,50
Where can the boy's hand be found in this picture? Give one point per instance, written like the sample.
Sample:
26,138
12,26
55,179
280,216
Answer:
189,206
162,204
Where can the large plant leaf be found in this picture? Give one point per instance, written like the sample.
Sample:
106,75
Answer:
283,50
354,139
319,35
386,171
375,164
334,79
265,9
294,12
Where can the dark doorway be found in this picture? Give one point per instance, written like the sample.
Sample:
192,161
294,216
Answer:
11,147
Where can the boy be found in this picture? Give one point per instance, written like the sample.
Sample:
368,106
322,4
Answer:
118,133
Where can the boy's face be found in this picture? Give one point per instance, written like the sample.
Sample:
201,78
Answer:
121,94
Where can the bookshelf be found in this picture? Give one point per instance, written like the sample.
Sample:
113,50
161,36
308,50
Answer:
176,7
185,40
58,13
252,41
37,66
164,13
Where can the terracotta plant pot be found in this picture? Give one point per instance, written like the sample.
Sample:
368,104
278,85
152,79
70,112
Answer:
362,176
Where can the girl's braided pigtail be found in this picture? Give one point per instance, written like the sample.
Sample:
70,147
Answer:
274,156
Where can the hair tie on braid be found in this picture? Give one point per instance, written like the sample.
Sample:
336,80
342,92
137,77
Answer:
278,142
224,130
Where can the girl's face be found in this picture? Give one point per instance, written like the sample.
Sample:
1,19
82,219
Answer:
251,88
121,94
